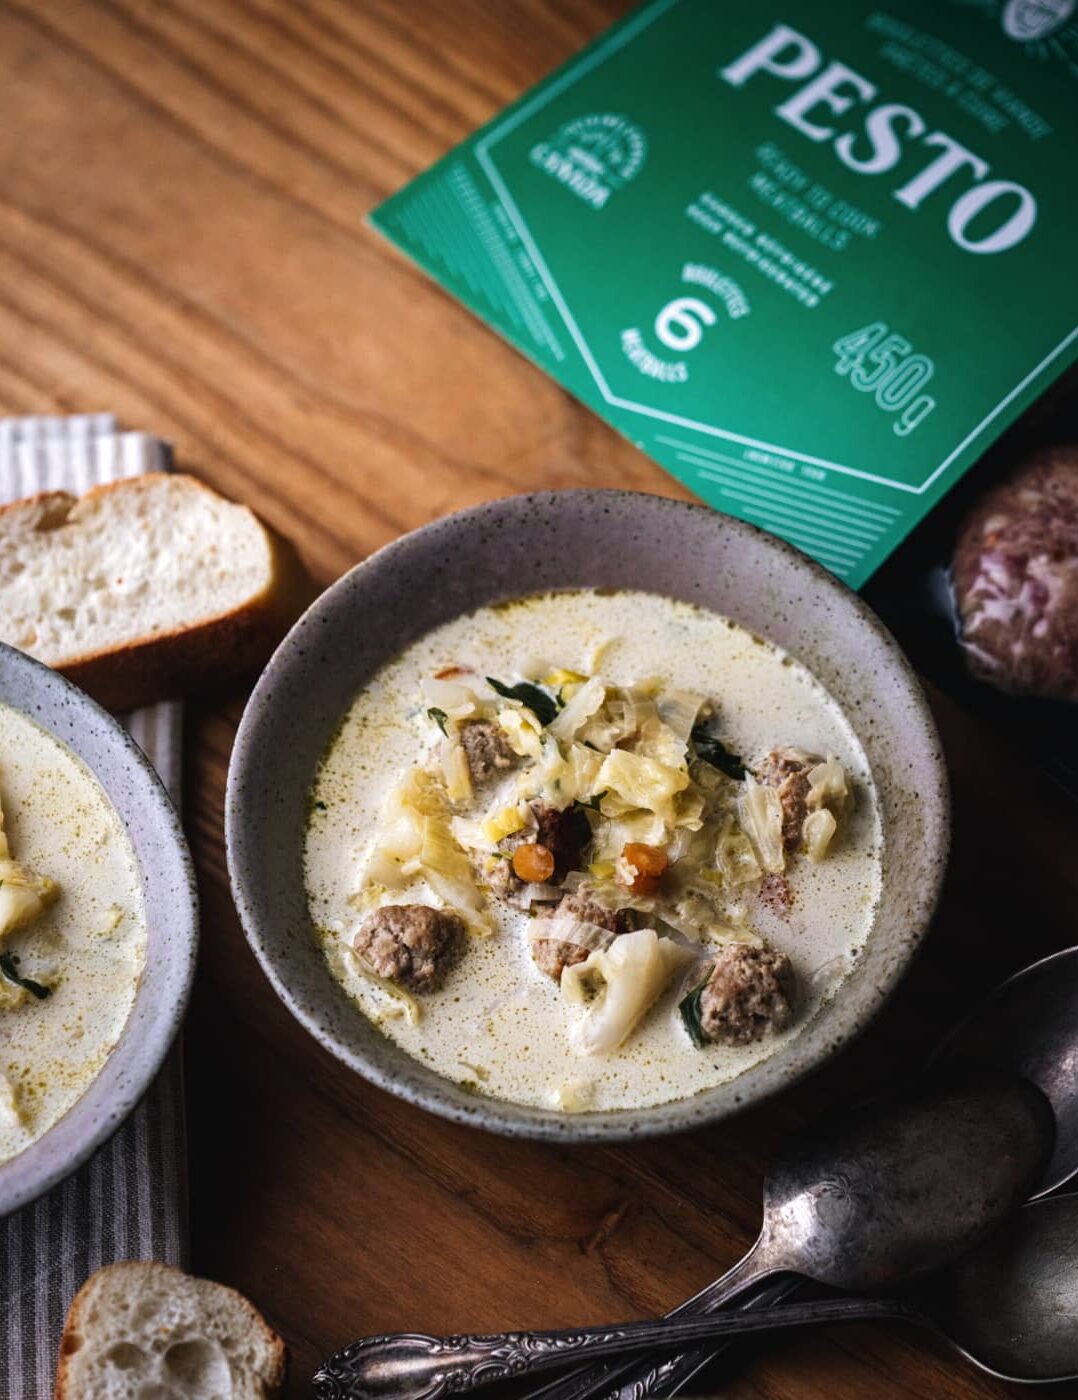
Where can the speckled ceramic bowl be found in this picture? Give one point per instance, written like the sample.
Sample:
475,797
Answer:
168,884
611,539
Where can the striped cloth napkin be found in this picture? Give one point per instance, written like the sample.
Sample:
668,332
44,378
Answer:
129,1200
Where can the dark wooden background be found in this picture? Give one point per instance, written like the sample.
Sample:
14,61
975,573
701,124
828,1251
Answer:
182,191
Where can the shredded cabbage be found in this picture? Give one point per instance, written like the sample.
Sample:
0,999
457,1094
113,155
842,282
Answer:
458,777
735,858
523,730
678,710
827,786
578,710
624,979
458,701
415,839
641,781
760,813
818,829
400,1002
566,929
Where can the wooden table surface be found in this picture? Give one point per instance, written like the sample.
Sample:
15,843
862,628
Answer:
182,242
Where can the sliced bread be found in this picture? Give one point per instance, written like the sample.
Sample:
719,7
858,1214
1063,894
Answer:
145,588
137,1329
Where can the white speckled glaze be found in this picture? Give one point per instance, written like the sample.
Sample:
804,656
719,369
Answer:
526,544
171,904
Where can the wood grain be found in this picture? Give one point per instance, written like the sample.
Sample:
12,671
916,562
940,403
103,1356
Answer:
182,243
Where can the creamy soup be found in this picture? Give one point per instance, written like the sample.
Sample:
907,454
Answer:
593,850
72,930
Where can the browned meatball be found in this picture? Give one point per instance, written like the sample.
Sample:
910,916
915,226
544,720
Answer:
750,993
553,955
1015,574
787,770
563,831
487,750
410,943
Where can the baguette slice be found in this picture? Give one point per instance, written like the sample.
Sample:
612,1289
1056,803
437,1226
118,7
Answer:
137,1329
145,589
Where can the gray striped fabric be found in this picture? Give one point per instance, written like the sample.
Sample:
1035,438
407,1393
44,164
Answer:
129,1200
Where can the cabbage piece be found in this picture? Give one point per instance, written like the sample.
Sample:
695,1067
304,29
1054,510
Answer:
657,740
827,787
523,730
456,701
817,829
578,710
581,772
564,928
640,781
502,823
760,813
415,838
624,980
24,895
614,835
571,1095
735,858
457,774
447,869
678,710
398,1002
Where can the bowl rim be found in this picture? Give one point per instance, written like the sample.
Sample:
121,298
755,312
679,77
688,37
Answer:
517,1120
164,861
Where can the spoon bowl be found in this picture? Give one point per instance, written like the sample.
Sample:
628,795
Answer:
1028,1026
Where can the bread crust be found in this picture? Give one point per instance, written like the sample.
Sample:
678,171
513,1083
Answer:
203,658
135,1272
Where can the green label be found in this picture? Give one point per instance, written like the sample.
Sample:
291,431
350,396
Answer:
812,258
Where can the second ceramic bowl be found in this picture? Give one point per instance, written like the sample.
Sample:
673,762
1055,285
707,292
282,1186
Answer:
171,899
526,544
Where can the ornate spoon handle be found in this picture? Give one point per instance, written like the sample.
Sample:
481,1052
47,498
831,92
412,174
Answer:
411,1366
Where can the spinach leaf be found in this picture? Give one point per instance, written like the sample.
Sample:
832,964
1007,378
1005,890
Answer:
438,716
689,1006
543,706
715,752
9,966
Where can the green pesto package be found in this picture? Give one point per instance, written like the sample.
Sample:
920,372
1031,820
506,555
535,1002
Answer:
812,258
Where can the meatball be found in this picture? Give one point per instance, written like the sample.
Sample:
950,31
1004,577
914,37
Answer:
553,955
487,750
564,831
410,943
750,993
787,770
1015,574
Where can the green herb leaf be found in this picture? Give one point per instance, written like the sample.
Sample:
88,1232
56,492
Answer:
9,966
689,1006
715,752
592,803
438,716
542,705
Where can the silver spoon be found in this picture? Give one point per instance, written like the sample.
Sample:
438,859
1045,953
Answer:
869,1200
1026,1025
1029,1025
1011,1307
